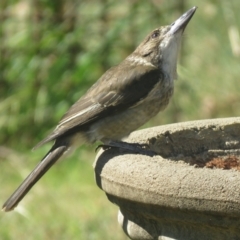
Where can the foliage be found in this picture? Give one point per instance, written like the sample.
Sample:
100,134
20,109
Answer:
52,51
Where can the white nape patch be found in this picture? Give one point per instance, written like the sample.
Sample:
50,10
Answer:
139,60
169,50
89,109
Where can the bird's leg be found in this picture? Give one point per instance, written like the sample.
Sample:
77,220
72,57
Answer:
133,147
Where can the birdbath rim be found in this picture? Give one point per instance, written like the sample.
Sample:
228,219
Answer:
166,180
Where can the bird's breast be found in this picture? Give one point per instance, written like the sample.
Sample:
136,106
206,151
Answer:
119,125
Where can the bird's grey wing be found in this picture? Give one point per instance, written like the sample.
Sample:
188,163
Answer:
112,93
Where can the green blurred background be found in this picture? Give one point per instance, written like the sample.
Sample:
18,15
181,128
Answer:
51,52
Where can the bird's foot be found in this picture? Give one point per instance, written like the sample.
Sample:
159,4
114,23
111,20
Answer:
133,147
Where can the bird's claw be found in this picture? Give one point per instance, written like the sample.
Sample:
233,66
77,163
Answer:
134,147
103,146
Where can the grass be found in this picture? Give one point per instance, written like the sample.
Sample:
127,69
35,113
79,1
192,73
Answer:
65,204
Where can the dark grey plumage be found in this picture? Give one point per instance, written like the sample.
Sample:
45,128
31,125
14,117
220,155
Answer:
122,100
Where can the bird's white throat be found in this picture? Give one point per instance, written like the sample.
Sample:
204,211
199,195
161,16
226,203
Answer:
169,51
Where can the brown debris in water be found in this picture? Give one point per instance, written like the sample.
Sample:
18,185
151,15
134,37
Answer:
230,162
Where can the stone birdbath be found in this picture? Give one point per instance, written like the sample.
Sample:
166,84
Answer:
189,191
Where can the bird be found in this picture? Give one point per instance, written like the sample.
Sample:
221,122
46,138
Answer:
122,100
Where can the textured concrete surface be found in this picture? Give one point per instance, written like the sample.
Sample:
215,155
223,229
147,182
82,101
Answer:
166,198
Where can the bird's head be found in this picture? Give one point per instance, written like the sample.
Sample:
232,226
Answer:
160,48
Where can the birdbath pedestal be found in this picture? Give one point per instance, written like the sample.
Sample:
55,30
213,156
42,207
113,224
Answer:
189,191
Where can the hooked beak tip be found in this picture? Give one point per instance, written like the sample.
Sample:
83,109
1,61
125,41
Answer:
181,22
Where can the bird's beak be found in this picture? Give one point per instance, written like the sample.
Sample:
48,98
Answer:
182,22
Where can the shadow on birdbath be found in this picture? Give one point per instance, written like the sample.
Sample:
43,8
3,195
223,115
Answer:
191,190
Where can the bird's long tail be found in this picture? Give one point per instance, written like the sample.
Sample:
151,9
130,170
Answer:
50,158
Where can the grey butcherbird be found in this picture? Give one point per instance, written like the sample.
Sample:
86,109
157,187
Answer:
122,100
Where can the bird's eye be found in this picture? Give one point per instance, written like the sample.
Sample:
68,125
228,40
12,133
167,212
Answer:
155,34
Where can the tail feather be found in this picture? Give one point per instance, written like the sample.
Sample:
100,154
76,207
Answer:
50,158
